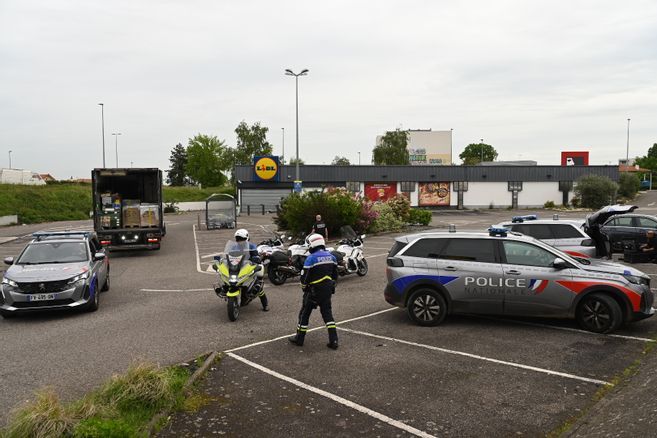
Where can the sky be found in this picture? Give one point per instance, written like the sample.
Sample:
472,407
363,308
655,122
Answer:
532,78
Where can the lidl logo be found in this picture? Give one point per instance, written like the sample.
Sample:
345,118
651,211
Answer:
266,168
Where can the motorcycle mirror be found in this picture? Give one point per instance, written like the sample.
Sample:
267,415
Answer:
217,258
257,269
215,267
362,236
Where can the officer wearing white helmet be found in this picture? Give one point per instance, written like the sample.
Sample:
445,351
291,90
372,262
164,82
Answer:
320,272
242,235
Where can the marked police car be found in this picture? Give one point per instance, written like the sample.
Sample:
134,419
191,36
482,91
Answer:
567,235
500,273
56,270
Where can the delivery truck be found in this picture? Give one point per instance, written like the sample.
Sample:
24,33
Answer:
127,208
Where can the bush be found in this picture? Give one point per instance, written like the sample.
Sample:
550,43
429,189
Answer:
419,216
549,204
595,191
575,202
387,220
337,207
401,206
628,185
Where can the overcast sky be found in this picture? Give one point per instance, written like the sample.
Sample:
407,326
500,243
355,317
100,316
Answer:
531,78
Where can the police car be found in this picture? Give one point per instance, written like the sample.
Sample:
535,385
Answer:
567,235
56,270
507,273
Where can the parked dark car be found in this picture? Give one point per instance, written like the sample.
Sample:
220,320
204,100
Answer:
628,229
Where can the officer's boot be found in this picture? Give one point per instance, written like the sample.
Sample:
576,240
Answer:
333,337
264,301
299,337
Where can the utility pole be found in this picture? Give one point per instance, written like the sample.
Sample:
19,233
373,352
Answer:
102,122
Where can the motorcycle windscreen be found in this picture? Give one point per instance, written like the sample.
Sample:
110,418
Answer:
346,232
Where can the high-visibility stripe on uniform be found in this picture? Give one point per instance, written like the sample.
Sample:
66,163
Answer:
326,277
330,325
319,264
302,328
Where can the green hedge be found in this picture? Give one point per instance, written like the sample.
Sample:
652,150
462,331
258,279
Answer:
419,216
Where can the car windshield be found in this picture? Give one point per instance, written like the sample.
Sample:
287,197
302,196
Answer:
53,252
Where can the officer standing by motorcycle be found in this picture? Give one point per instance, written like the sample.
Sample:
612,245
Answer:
242,236
320,272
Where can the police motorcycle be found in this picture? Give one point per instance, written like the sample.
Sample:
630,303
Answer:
287,265
237,280
267,247
349,253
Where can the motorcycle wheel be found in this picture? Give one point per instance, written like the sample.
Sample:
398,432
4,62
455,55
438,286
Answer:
275,276
362,269
233,309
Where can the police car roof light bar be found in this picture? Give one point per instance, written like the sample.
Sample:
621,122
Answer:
501,232
528,217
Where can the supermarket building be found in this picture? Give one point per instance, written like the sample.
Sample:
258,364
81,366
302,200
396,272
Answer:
481,186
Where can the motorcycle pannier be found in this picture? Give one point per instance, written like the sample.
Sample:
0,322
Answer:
278,258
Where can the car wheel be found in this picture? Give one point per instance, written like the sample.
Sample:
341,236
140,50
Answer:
276,277
7,315
106,286
426,307
362,268
93,305
599,313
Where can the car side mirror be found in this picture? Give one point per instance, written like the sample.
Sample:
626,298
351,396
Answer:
587,242
99,256
257,268
559,263
9,260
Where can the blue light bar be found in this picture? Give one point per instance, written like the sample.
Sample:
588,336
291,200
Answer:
43,234
494,231
528,217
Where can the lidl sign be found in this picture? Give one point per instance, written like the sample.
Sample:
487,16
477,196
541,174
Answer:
266,168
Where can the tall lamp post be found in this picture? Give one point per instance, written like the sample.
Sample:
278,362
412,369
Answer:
627,151
116,146
303,72
283,142
102,122
10,159
359,158
482,150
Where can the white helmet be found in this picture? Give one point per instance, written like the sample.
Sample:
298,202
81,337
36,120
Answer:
242,234
315,240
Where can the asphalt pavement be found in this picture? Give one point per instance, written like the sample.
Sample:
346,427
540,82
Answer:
469,376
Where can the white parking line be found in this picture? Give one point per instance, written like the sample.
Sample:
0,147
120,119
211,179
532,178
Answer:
268,341
566,329
175,290
483,358
376,255
335,398
198,256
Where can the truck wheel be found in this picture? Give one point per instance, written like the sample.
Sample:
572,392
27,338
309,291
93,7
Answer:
599,313
275,276
233,309
426,307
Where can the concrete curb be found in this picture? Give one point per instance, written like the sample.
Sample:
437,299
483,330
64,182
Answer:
4,240
211,357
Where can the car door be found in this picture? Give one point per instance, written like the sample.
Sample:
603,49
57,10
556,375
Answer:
472,275
537,231
99,267
530,281
620,229
568,238
643,225
421,257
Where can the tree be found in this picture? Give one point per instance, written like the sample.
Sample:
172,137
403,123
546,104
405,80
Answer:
293,162
595,191
474,152
340,161
628,184
177,176
251,141
207,158
649,161
393,149
652,151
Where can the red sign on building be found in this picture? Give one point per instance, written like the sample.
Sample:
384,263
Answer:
575,158
380,191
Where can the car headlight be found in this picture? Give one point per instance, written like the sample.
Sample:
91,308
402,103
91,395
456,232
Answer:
9,282
80,277
635,279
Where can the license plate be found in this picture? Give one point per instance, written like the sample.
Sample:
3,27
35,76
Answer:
43,297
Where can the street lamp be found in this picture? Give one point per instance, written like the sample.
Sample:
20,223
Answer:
359,158
102,121
10,159
482,150
116,146
303,72
627,152
283,154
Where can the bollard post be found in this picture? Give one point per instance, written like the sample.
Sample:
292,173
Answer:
248,210
263,209
198,221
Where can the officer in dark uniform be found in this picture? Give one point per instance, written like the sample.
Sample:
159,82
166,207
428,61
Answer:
320,227
318,278
242,237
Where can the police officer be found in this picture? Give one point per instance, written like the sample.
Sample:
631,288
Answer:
242,236
318,277
320,227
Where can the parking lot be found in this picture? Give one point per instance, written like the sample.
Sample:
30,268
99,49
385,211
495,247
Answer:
469,376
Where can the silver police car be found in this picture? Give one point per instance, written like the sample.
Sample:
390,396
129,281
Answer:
507,273
56,270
